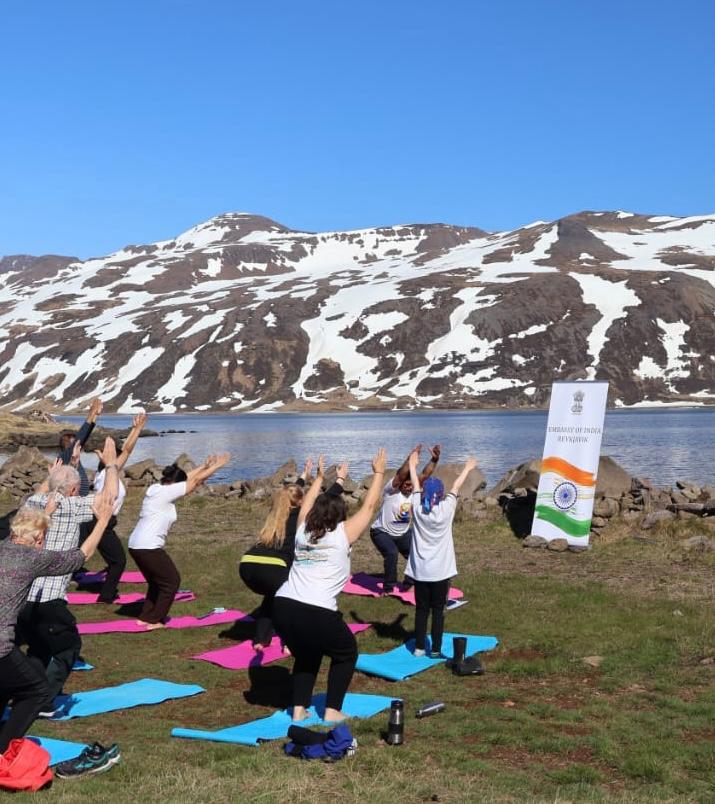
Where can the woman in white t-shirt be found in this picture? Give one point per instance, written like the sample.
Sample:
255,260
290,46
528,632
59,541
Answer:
110,546
432,561
146,544
305,610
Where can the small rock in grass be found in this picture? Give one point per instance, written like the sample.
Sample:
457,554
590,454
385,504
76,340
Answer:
677,613
579,548
652,519
698,544
592,661
558,545
534,541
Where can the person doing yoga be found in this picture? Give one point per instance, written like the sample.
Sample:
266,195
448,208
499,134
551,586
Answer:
391,532
23,681
432,562
146,543
305,610
264,567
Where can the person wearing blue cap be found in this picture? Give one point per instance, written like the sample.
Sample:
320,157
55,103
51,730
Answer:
432,563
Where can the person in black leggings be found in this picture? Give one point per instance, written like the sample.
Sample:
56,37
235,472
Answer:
305,610
265,566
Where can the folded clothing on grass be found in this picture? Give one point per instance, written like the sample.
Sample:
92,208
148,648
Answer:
400,662
87,598
369,586
276,725
143,692
244,655
134,627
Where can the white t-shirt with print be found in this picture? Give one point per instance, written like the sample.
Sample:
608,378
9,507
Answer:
157,515
319,571
99,480
432,552
395,512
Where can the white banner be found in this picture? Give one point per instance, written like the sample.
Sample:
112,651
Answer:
564,501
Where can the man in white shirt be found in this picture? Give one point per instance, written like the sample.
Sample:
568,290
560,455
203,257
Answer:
391,532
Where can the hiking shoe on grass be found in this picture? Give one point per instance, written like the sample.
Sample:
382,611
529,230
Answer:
94,759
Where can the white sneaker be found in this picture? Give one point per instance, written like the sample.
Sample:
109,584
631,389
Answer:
418,652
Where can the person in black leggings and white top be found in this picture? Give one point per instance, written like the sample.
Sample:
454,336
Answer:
305,610
432,561
265,566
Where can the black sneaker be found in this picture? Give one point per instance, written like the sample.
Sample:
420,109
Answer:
94,759
436,654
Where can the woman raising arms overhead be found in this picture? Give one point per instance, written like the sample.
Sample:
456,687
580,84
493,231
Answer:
146,543
305,610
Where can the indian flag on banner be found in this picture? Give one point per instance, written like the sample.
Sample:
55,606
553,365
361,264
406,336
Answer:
567,485
565,497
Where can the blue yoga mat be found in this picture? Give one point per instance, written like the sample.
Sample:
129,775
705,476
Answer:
124,696
401,662
276,725
59,750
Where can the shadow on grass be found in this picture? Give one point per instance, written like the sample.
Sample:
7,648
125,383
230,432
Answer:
394,630
239,630
270,686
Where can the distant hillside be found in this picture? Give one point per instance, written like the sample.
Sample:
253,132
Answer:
241,313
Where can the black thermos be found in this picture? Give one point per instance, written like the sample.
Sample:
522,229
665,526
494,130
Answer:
396,724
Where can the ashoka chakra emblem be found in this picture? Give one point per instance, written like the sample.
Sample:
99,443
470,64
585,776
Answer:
565,495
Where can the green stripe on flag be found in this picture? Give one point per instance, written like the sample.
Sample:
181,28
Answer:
574,527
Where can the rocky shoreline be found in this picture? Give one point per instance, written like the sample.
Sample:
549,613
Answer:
620,498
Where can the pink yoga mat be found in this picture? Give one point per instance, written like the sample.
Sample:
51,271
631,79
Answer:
368,585
243,655
100,577
133,627
85,598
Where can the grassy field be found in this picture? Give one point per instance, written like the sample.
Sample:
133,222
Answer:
541,725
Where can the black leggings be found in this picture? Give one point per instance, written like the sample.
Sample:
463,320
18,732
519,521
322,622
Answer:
112,551
311,632
23,683
266,580
430,596
163,581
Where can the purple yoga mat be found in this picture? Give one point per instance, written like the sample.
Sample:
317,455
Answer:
101,577
85,598
243,655
133,627
369,586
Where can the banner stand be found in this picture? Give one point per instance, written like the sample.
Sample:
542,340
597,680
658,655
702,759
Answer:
569,467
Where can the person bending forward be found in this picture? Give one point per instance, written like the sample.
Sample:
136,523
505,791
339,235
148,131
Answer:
146,543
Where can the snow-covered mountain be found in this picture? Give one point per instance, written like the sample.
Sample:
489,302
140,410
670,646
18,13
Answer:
241,313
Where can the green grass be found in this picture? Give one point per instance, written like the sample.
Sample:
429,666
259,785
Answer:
539,726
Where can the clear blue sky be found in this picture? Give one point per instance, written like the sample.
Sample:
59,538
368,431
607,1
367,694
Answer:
127,121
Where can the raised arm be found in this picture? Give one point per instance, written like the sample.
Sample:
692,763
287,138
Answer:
85,431
337,489
44,487
312,494
108,456
431,465
404,471
203,472
131,441
358,522
412,462
103,510
468,466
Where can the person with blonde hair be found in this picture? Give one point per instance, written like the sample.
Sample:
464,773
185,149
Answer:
265,566
22,560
